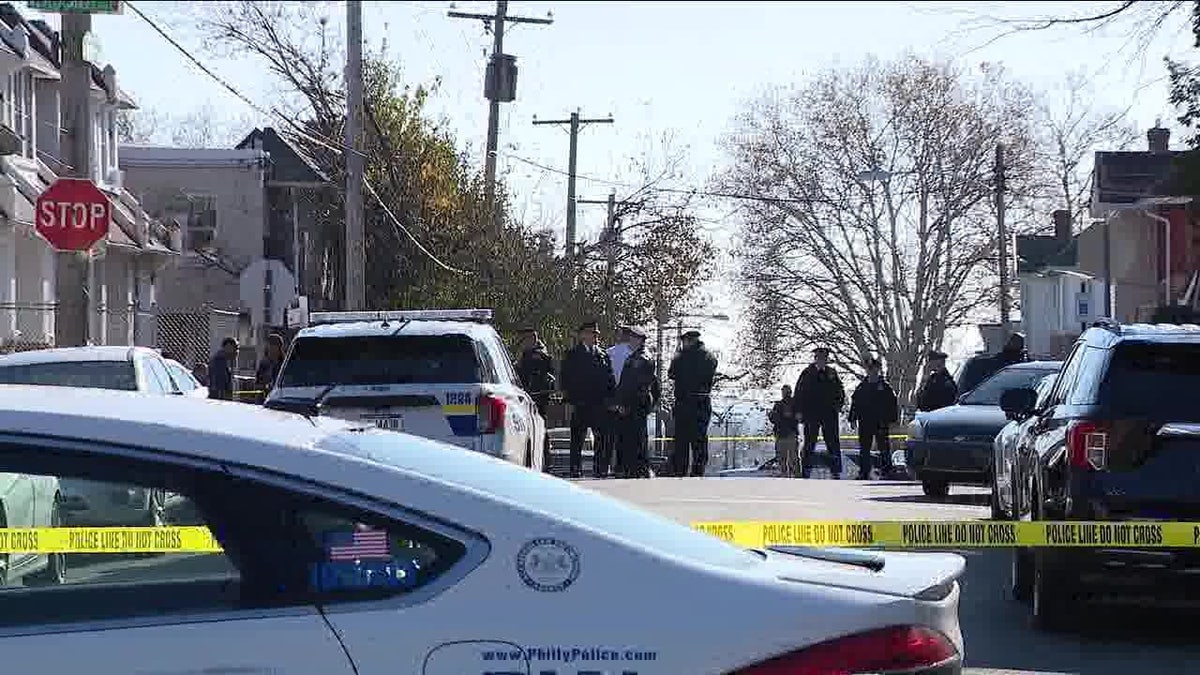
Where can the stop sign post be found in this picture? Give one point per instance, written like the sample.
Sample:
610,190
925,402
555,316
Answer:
73,214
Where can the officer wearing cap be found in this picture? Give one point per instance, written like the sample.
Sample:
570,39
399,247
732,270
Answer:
637,395
693,369
819,400
873,409
588,386
939,389
536,369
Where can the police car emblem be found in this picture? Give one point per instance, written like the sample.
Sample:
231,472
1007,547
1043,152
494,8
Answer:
548,565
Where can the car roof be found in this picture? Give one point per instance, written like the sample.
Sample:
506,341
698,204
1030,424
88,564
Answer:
73,354
1109,334
471,329
1037,365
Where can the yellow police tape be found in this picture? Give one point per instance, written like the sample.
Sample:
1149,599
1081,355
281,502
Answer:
956,534
916,534
189,539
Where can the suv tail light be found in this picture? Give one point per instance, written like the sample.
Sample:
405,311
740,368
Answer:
899,649
1087,445
492,410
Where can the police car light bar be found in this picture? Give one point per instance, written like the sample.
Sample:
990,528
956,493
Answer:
478,315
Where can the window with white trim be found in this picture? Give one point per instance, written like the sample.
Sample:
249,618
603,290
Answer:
18,108
201,229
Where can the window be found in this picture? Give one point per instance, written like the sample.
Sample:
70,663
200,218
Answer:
990,390
501,362
183,379
157,376
1087,380
434,359
273,547
18,108
201,228
88,374
1153,380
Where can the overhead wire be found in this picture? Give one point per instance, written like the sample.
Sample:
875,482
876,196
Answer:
334,146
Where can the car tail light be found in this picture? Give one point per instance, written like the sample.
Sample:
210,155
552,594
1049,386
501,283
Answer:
491,413
1087,445
897,649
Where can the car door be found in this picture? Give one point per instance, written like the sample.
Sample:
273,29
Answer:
185,611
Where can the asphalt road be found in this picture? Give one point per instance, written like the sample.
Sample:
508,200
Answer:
996,628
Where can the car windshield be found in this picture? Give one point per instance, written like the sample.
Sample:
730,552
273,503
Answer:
89,374
381,359
989,392
1154,381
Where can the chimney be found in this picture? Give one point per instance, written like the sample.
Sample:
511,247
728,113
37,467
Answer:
1062,225
1159,138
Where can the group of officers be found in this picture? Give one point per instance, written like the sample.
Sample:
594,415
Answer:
818,400
612,392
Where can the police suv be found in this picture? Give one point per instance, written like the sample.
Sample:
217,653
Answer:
440,374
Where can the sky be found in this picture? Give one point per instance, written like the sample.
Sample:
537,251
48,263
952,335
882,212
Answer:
668,72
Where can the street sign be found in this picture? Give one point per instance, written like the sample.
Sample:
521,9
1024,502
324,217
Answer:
76,6
73,214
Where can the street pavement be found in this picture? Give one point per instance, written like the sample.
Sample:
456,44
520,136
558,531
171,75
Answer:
996,628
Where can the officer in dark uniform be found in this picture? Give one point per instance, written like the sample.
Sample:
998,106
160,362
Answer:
536,370
938,390
693,369
588,386
637,395
819,399
874,408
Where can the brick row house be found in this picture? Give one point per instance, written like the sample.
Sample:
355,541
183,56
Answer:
125,265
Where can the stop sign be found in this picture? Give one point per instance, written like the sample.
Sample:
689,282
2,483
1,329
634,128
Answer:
73,214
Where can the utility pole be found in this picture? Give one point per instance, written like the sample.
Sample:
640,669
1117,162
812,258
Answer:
356,286
499,86
611,240
574,124
1002,233
73,321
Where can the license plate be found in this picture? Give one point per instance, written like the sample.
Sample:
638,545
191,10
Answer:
394,423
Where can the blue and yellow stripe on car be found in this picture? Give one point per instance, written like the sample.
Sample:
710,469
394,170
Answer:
462,418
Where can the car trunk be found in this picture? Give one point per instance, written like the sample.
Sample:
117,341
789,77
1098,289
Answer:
911,575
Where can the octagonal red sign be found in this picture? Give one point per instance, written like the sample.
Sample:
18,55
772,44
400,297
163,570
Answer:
73,214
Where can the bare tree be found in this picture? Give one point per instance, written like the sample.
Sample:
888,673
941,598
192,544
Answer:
1071,129
138,126
874,230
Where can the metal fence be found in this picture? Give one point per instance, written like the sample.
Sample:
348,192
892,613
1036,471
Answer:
192,336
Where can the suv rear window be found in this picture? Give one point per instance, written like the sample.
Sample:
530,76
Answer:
990,390
88,374
378,359
1154,380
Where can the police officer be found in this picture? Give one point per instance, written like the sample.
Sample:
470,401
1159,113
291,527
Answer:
693,369
637,395
536,370
819,399
588,386
939,389
873,408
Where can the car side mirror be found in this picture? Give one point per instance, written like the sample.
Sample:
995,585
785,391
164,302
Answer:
1018,403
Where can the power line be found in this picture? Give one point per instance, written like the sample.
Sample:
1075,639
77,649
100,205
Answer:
694,191
326,143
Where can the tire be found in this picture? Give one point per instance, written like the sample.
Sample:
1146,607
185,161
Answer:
935,489
529,455
997,512
1021,572
1051,599
55,573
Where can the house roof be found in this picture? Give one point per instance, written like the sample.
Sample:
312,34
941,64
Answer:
1127,177
288,163
1036,253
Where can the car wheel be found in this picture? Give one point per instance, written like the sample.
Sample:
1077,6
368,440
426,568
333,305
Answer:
935,489
998,513
529,455
1051,597
55,573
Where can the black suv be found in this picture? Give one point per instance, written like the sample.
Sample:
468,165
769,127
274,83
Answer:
1116,439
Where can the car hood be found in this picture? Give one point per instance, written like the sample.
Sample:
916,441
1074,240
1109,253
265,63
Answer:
891,573
964,420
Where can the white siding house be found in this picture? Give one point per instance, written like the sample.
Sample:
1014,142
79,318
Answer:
125,263
1058,300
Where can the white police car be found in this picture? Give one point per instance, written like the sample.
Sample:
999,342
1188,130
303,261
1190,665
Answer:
494,569
440,374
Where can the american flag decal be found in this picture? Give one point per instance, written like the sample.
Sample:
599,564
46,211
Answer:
362,544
